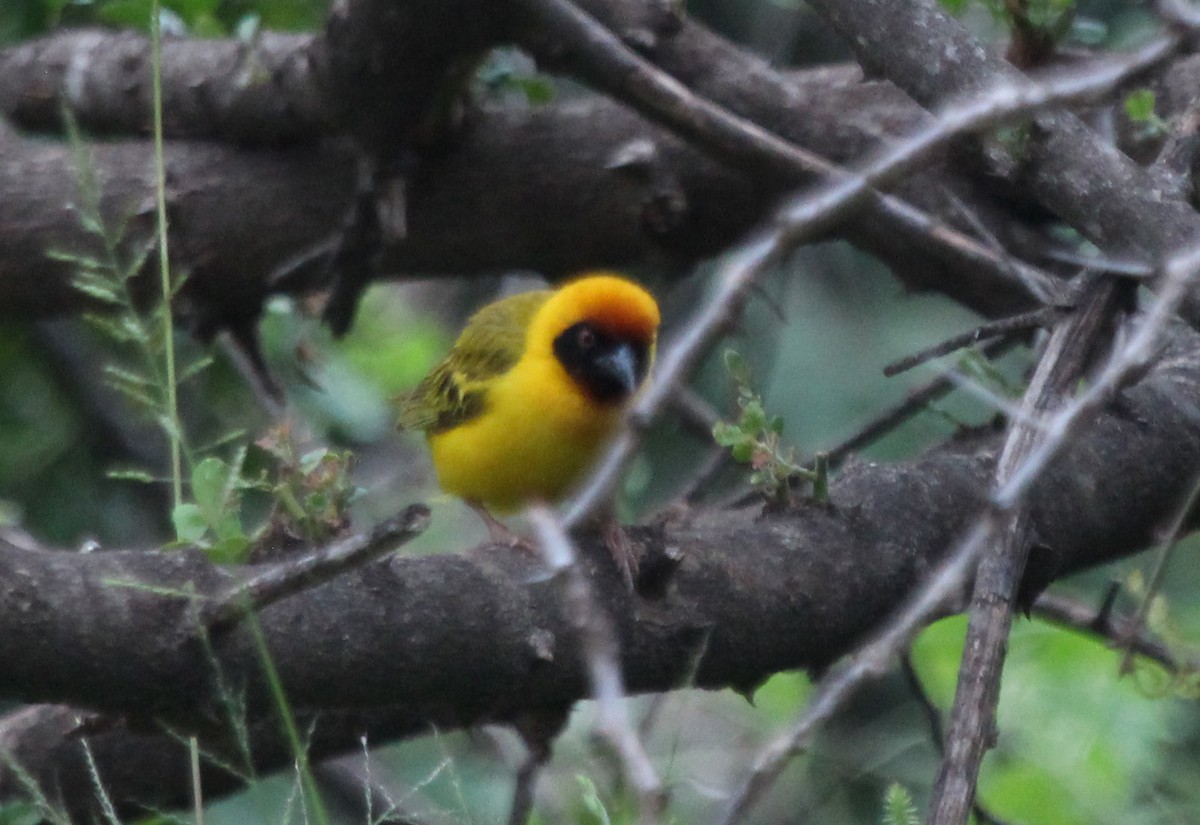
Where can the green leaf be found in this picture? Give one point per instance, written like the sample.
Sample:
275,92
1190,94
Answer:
77,258
232,550
129,377
221,441
736,365
133,394
1089,31
169,426
248,27
743,451
1139,105
110,328
1157,615
134,329
538,90
591,800
208,488
131,474
726,434
754,417
92,225
195,368
229,527
95,288
138,260
190,524
898,807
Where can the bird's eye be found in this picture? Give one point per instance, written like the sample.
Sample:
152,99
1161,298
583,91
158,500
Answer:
586,338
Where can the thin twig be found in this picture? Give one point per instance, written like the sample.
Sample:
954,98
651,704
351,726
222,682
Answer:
599,641
1034,319
1102,264
1169,540
933,716
307,571
538,731
1122,631
604,60
522,801
913,403
872,657
977,223
956,781
743,266
356,789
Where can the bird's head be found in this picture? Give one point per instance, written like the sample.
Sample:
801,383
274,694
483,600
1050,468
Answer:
602,330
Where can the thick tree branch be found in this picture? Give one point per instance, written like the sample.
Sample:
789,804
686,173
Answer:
241,216
262,91
1122,207
676,209
673,203
798,590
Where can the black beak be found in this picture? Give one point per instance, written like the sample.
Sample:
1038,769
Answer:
618,370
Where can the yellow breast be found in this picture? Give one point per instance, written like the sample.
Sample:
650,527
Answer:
536,438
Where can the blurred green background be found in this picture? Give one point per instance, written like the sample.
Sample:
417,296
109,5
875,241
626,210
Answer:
1078,743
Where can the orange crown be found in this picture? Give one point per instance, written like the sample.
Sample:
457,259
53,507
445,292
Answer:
612,303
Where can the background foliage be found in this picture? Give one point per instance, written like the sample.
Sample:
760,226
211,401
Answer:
1078,743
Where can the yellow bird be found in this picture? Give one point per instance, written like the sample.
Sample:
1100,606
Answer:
531,392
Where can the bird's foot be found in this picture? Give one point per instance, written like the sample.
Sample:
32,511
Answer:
499,532
622,551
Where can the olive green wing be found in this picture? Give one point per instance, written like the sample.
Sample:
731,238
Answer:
455,391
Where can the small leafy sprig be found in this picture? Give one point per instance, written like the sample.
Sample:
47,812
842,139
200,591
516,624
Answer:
312,491
310,495
756,439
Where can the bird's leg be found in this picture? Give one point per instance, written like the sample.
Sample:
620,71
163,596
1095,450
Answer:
498,531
